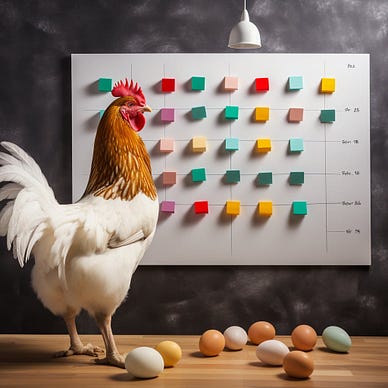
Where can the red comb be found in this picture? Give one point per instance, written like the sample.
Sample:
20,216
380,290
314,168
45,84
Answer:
122,89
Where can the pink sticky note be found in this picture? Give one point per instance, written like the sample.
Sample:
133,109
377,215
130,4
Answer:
169,177
167,114
167,206
167,145
295,115
231,83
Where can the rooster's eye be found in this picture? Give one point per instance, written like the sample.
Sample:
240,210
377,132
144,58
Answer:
130,104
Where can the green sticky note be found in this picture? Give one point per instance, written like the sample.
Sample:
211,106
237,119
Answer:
232,176
299,208
296,178
198,175
231,112
198,112
197,83
231,144
296,145
104,84
295,83
327,116
264,178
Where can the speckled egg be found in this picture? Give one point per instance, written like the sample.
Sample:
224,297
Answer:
235,337
272,352
336,339
144,362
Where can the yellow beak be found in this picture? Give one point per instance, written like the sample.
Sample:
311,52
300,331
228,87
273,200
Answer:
146,108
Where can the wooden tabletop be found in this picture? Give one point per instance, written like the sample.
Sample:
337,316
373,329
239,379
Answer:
26,361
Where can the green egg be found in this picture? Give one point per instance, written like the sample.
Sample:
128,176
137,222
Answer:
336,339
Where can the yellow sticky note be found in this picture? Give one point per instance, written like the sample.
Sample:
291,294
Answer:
199,144
265,208
327,85
233,208
262,113
263,145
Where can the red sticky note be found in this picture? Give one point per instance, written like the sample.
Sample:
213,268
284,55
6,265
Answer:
262,84
168,85
201,207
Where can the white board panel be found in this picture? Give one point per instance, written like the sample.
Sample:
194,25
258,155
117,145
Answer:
335,159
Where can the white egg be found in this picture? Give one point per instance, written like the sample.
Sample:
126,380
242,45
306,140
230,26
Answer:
272,352
144,362
235,337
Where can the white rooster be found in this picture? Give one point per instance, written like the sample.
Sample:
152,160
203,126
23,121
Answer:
85,253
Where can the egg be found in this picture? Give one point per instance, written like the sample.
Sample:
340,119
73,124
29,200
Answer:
298,364
235,337
261,331
211,343
336,339
144,362
272,352
170,351
304,337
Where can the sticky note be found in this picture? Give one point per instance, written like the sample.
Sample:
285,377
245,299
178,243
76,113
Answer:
264,178
262,84
166,145
168,85
327,116
201,207
198,175
231,112
232,176
231,144
295,83
264,208
167,207
169,178
104,84
232,208
295,115
296,178
299,208
296,145
262,113
231,83
199,144
327,85
263,145
197,83
198,112
167,114
101,113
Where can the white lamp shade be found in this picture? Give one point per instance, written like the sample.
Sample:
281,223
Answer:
244,34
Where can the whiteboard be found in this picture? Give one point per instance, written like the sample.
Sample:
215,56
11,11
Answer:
335,159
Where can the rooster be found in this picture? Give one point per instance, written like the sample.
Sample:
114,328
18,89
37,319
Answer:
85,253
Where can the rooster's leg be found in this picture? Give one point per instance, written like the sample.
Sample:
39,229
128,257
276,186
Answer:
113,357
76,345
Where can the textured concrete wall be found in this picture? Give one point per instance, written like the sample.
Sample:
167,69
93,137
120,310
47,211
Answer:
36,40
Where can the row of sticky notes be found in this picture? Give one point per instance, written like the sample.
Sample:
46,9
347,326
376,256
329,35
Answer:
261,114
199,144
233,208
232,176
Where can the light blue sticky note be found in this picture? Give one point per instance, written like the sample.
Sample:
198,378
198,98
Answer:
296,145
231,144
295,83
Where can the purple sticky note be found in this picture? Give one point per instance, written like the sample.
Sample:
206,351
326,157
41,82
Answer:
167,114
167,206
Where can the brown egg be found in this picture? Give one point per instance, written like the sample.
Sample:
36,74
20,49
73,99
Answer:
304,337
298,364
211,343
261,331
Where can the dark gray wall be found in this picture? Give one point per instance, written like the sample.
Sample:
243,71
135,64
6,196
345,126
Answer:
36,40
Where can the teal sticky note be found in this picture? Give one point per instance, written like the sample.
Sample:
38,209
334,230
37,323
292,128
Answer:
101,113
198,113
299,208
104,84
231,144
198,175
264,178
197,83
296,145
295,83
232,176
231,112
296,178
327,116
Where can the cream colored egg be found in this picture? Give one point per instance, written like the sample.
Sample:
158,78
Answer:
144,362
235,337
272,352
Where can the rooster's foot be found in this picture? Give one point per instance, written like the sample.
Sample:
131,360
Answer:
88,350
115,359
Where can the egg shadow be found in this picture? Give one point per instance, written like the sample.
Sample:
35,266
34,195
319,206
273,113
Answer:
286,377
197,355
327,350
128,377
